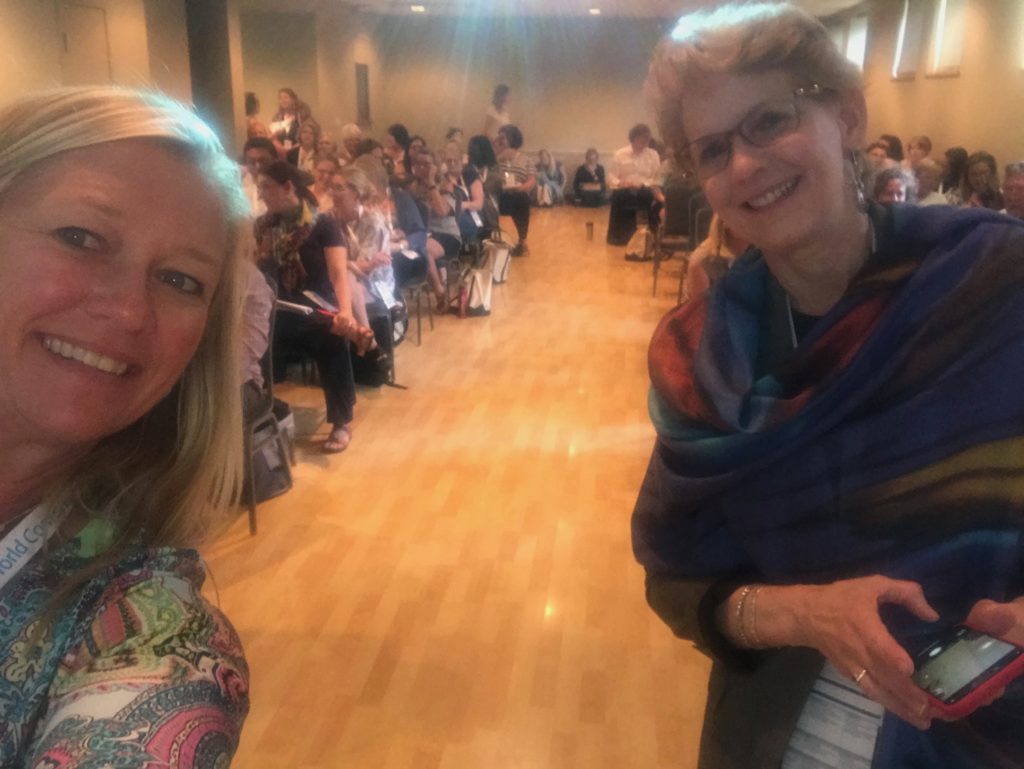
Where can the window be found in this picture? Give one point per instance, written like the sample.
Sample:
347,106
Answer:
851,36
908,40
947,38
857,40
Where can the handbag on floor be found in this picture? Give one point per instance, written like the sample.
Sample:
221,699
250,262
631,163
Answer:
477,281
500,254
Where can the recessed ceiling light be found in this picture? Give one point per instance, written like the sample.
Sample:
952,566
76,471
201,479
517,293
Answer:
418,8
595,11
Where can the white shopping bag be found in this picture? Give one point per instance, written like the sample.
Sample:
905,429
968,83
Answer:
499,253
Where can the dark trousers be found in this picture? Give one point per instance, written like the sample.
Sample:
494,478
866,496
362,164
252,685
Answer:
296,336
516,203
622,216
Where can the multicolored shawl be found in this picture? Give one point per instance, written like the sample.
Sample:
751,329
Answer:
279,238
890,441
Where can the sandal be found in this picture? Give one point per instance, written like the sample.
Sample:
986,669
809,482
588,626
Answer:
338,440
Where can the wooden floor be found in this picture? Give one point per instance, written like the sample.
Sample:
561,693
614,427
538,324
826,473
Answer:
457,590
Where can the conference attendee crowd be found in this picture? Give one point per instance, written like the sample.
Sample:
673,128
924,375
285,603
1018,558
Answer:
343,228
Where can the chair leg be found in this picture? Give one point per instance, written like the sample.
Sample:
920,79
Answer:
430,310
252,497
419,317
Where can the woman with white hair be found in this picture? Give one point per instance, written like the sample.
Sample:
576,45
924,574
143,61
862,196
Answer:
839,470
351,136
120,432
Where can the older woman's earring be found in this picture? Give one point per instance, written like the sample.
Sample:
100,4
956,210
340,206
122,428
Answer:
858,180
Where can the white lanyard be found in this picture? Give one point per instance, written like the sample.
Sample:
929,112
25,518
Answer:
26,539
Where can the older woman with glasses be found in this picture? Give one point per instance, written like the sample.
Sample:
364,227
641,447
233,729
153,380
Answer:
840,456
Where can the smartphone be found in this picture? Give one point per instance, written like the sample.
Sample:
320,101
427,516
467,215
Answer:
963,666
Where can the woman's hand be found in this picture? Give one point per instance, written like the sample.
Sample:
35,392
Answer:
1005,620
380,259
348,327
842,621
343,325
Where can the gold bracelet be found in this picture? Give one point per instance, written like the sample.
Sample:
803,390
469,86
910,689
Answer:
740,604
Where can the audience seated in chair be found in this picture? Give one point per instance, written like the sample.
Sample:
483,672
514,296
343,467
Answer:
631,177
550,181
895,185
929,174
305,251
712,258
1013,189
434,192
518,179
589,184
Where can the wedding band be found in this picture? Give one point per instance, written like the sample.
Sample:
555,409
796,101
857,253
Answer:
857,678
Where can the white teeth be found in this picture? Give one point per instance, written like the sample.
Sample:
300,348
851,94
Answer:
772,195
87,357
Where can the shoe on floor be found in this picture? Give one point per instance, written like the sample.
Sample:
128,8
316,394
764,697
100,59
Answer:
521,249
338,440
634,257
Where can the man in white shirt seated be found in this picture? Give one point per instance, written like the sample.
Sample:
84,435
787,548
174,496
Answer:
1013,189
631,177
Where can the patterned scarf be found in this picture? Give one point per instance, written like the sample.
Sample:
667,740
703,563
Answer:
891,441
279,238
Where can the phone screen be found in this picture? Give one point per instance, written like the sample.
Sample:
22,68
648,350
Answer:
958,663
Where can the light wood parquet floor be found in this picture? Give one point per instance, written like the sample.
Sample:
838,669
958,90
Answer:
457,590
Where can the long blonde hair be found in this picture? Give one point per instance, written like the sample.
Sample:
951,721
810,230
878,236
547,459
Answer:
171,476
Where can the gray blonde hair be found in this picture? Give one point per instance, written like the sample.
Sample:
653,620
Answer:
171,476
740,39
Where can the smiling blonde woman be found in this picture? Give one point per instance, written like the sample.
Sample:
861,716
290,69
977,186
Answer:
120,431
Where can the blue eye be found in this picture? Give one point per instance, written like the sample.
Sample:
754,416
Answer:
76,237
179,281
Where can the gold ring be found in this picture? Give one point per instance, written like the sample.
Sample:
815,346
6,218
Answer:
857,678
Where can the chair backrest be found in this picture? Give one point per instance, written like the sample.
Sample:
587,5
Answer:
702,223
677,209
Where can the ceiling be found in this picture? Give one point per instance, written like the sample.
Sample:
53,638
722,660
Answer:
658,9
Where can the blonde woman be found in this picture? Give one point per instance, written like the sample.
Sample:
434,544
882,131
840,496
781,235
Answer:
712,258
120,431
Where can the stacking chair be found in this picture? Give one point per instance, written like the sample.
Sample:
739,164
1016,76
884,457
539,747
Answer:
416,289
262,430
700,228
673,234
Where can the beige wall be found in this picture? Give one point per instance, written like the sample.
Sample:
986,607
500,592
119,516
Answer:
346,38
980,109
279,50
168,47
575,82
139,32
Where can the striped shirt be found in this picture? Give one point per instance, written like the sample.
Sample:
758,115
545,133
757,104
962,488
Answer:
517,168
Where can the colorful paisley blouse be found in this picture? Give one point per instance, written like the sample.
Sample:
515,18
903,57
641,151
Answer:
135,670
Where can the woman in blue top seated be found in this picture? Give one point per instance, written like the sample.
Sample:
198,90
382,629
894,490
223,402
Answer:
839,470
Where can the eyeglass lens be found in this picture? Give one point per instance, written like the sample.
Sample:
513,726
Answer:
762,126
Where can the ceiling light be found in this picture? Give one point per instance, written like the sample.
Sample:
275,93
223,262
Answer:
595,11
418,8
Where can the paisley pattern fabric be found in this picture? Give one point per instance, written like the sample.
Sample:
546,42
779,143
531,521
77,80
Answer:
133,669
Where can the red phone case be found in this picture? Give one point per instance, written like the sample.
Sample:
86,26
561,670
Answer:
979,696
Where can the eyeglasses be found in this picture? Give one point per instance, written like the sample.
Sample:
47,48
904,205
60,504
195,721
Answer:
761,127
